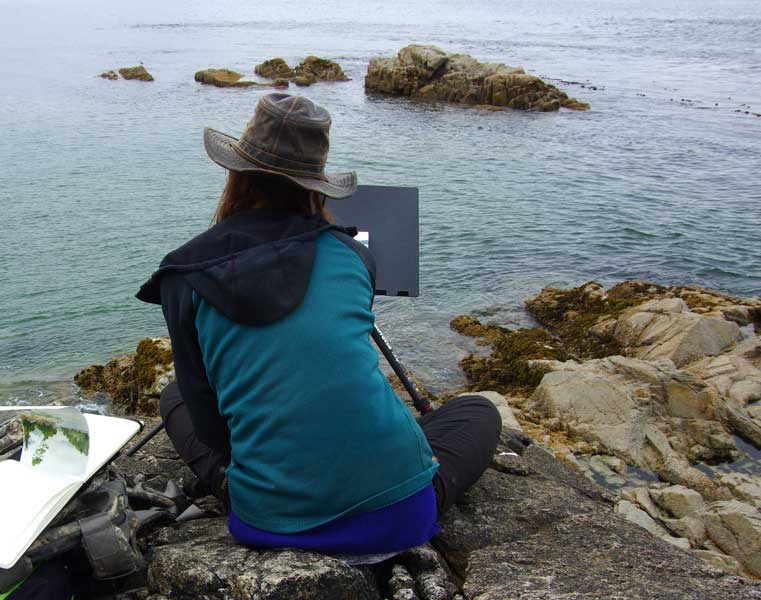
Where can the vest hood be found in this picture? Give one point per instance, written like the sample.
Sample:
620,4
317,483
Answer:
253,267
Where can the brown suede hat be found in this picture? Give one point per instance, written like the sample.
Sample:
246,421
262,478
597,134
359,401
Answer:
287,136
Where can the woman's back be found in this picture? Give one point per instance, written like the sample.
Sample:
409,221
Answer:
315,430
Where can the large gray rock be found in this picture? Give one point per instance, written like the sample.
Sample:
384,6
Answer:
667,330
743,487
649,414
218,568
736,374
736,528
679,501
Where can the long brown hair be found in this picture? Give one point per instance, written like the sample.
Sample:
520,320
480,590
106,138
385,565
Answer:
246,191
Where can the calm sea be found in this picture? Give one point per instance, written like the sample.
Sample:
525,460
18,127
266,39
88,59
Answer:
99,179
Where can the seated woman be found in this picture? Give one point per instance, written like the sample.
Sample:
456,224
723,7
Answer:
280,407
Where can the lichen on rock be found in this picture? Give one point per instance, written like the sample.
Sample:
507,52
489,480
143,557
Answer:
139,73
429,73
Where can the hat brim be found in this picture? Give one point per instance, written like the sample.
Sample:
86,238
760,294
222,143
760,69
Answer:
219,147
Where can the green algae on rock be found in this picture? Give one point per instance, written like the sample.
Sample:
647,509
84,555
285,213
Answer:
507,368
139,73
429,73
133,381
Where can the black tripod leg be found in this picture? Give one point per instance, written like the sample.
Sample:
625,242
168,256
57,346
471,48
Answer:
421,402
148,437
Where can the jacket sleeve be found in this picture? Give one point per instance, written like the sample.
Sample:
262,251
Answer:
198,395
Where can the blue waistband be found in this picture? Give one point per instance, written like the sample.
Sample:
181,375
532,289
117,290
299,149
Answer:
405,524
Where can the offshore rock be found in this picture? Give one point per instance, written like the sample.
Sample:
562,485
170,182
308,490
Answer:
224,78
109,75
310,70
429,73
139,73
133,381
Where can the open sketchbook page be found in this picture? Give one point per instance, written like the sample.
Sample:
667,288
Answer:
36,488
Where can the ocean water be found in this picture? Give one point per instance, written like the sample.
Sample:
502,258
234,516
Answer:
661,179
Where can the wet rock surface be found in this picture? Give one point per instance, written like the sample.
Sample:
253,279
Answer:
429,73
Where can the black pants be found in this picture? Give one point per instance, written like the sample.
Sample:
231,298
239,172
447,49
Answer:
463,435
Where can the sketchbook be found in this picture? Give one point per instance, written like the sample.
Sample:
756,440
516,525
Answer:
62,449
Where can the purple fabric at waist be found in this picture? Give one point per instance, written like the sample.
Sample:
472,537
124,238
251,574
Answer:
405,524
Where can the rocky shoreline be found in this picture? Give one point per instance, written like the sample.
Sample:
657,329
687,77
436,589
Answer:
642,384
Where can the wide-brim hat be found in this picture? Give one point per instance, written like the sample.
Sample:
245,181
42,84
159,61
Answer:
289,137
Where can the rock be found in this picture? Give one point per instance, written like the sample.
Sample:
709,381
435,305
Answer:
743,487
321,69
689,528
472,327
498,400
511,537
615,464
548,531
678,542
639,517
507,368
641,497
721,561
218,568
679,501
585,317
736,374
133,381
736,528
626,404
109,75
224,78
138,73
401,585
274,68
303,81
309,71
652,331
429,73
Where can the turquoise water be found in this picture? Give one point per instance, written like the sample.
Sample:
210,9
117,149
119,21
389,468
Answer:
99,179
